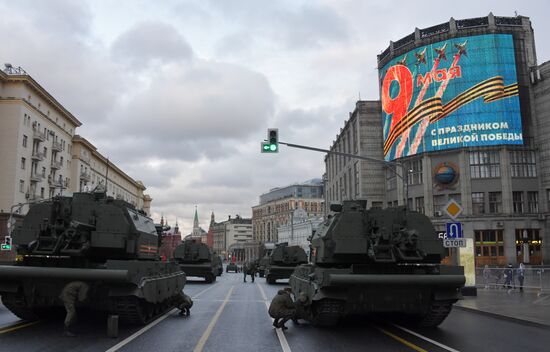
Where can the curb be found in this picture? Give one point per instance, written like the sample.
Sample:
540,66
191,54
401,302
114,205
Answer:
504,317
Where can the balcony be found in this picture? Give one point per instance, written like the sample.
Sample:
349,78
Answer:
55,183
56,146
36,177
37,156
56,165
85,176
39,136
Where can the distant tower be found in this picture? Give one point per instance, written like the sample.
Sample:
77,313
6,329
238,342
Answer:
176,228
196,228
212,219
161,220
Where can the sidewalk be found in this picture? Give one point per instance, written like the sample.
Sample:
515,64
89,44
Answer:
526,306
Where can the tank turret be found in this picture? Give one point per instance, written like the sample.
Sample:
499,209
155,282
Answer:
377,261
89,237
196,259
282,261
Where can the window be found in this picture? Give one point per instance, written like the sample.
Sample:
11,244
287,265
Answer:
21,186
391,180
478,203
523,163
532,238
409,203
41,192
489,247
25,141
484,164
354,134
23,160
439,202
495,202
413,169
43,172
532,202
356,173
419,204
517,202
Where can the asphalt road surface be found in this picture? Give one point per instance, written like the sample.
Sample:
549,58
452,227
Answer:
230,315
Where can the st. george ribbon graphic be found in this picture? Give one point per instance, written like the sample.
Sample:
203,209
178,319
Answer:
457,103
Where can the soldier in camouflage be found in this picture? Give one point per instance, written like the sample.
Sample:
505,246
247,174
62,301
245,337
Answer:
71,293
184,304
282,308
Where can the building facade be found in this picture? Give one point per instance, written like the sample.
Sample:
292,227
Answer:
464,116
90,169
35,141
230,235
277,206
297,232
348,178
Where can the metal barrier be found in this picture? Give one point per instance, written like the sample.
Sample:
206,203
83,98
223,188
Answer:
534,278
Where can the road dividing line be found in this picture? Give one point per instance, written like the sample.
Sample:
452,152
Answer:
402,340
208,331
540,299
280,334
16,326
140,332
438,344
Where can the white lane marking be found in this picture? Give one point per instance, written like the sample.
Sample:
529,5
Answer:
438,344
540,299
140,332
208,331
149,326
280,334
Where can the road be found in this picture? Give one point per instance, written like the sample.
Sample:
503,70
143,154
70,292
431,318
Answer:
230,315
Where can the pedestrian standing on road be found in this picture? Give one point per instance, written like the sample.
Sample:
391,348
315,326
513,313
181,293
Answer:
282,308
508,277
245,269
72,292
486,275
521,275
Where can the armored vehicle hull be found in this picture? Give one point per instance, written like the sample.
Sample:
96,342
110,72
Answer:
105,243
376,261
196,259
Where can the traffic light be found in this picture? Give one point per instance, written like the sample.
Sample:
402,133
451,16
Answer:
272,144
6,246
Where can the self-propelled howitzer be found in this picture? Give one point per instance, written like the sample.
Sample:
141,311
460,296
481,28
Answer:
88,237
196,259
376,261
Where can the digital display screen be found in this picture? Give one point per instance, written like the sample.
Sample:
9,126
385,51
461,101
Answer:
460,92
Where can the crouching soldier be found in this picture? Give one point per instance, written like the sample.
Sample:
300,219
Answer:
71,293
282,308
184,304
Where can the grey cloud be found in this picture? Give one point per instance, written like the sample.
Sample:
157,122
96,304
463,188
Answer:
147,42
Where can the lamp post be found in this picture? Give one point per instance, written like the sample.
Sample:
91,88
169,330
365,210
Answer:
526,253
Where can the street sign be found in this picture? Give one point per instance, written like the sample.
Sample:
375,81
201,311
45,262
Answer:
454,230
454,242
453,209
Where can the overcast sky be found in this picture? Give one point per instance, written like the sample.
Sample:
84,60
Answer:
179,94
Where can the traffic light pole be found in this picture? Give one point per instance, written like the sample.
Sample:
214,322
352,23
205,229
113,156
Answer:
392,165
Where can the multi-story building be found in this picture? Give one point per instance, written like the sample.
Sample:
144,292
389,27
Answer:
277,206
465,116
35,141
232,233
349,178
91,169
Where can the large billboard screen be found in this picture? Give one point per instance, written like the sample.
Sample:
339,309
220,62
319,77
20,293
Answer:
460,92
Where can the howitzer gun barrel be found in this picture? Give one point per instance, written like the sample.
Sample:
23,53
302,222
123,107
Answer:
23,272
396,280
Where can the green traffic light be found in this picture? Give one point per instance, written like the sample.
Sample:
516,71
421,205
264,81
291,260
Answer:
273,147
6,247
266,147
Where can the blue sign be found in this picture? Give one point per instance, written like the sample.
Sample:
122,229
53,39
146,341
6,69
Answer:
454,230
461,92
